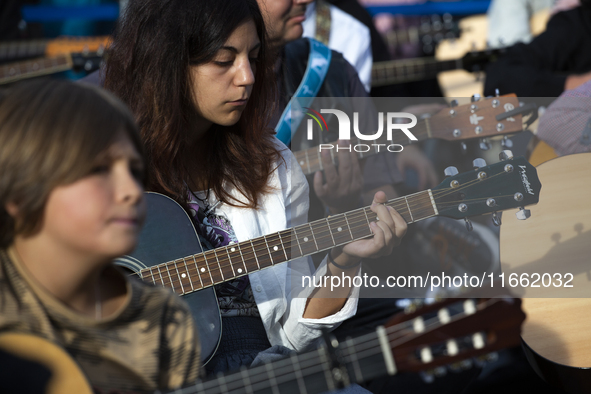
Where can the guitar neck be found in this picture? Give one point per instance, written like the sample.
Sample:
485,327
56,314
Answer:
14,50
407,70
310,160
33,68
219,265
363,358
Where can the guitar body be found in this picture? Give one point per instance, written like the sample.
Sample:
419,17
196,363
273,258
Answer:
168,234
556,333
64,374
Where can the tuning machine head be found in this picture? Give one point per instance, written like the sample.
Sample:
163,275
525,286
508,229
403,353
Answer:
505,155
506,142
451,171
485,144
475,97
496,219
469,225
478,163
523,214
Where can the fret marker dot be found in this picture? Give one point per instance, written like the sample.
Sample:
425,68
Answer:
305,239
275,248
239,270
302,163
183,275
202,269
340,229
232,249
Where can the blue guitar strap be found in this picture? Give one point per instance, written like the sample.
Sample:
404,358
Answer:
318,63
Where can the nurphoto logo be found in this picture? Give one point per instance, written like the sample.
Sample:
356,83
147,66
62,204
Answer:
392,124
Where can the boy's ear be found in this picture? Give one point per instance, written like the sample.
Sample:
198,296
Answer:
12,209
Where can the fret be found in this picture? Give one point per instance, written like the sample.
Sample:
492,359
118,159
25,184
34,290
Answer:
313,237
188,274
226,270
272,379
268,250
354,360
293,231
409,211
246,380
219,265
231,260
198,273
208,269
349,226
278,253
151,274
420,205
298,373
324,361
169,277
248,256
223,387
261,252
338,226
176,267
160,274
322,234
242,257
254,252
305,238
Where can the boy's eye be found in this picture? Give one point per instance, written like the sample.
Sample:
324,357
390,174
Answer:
138,173
254,60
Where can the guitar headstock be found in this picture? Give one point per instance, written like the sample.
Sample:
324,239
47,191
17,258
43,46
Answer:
86,61
475,61
65,45
512,183
453,331
477,119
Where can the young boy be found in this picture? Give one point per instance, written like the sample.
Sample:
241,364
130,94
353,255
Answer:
71,176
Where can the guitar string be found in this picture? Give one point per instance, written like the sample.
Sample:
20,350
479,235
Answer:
308,361
259,248
354,215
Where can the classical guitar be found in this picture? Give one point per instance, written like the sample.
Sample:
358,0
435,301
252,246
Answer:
557,239
26,49
476,120
452,334
407,70
169,253
63,374
13,72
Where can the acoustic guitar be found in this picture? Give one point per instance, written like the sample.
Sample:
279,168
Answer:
556,334
25,49
169,253
481,119
453,334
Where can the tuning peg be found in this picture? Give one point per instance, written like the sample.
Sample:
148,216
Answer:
478,163
505,155
475,97
484,144
523,214
464,147
506,142
468,224
496,219
453,103
497,93
451,171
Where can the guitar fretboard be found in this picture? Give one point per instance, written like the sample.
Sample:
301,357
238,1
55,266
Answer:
407,70
219,265
13,50
310,159
15,71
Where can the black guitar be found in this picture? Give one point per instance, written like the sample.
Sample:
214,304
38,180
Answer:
169,253
452,334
